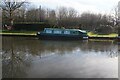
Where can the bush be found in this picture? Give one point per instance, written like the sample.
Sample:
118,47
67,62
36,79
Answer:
118,29
104,30
30,26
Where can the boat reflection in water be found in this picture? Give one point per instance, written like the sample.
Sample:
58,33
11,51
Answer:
33,58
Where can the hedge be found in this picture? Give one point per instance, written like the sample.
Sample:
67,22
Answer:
30,26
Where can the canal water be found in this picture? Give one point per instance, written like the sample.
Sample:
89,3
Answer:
25,57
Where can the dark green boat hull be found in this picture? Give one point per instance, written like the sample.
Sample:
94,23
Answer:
60,37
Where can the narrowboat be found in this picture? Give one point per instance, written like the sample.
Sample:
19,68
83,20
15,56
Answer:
118,38
62,34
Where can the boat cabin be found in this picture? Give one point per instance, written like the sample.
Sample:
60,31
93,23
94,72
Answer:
64,31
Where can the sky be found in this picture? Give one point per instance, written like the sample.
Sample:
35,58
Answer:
94,6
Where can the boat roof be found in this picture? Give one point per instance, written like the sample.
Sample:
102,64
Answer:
65,29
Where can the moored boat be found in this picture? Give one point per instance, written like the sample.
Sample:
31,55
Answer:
119,38
62,34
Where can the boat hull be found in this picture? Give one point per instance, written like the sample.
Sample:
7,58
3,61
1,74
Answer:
60,37
118,39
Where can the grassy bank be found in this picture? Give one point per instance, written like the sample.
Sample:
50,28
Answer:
33,33
91,34
6,32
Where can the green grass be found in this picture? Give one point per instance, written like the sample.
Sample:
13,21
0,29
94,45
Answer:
91,34
18,32
7,31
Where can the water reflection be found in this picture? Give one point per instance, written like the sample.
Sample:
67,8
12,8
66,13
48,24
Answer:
15,63
24,56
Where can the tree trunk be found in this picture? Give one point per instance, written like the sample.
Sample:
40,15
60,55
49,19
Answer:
11,20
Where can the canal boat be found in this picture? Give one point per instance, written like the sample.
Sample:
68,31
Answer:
118,38
62,34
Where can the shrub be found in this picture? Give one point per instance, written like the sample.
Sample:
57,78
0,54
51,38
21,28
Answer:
30,26
104,30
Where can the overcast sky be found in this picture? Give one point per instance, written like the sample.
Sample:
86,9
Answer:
95,6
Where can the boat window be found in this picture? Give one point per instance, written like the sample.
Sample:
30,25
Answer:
75,32
57,32
66,32
48,31
81,32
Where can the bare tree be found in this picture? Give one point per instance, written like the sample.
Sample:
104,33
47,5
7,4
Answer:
67,17
0,18
116,15
20,15
62,13
92,21
51,17
31,15
9,6
72,13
